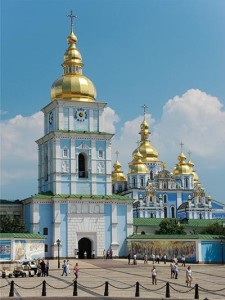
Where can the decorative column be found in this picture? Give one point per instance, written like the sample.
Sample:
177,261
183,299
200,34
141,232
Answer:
114,244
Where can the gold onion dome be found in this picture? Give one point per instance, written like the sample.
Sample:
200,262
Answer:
117,173
148,152
137,166
182,167
73,85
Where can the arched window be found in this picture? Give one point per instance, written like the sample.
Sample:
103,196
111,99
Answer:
150,198
82,165
164,198
134,182
152,215
165,212
100,153
172,212
65,152
151,175
142,181
186,182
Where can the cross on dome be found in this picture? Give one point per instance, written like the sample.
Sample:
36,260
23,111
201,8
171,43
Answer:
117,154
71,16
181,147
144,108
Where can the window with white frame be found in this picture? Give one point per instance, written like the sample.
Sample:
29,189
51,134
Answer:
65,152
100,153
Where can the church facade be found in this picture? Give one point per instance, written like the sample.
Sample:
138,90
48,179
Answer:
74,203
160,193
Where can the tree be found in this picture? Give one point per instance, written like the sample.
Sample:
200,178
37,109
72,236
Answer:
214,229
170,226
11,225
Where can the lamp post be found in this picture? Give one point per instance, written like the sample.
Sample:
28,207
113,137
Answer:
58,242
221,244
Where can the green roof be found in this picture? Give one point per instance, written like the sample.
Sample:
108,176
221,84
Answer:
80,196
175,236
191,222
21,236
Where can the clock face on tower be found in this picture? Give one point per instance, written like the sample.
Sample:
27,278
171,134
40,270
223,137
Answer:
80,114
50,118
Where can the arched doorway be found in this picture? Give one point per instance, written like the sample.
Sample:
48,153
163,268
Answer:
84,244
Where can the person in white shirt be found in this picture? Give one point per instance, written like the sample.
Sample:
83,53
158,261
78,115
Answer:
188,276
154,276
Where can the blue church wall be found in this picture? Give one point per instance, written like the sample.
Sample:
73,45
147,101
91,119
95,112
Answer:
122,229
102,145
108,225
79,142
45,213
65,143
95,120
27,214
65,188
83,188
63,228
212,251
84,125
217,206
100,187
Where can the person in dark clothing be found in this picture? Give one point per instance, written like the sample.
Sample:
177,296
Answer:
42,268
128,257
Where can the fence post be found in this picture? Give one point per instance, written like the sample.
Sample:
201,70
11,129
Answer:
11,292
43,288
106,293
196,292
75,288
137,293
167,290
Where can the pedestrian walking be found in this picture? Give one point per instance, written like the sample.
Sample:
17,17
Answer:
176,270
129,257
64,267
111,254
47,267
157,258
164,258
183,260
188,276
135,259
153,258
172,271
154,275
145,258
42,268
104,254
93,253
76,271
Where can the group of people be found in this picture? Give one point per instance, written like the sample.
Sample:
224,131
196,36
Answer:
107,254
42,268
66,269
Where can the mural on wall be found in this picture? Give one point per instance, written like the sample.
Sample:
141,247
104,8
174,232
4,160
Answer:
29,250
5,249
170,248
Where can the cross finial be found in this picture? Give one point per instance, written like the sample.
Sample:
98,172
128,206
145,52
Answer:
189,154
181,147
145,108
71,16
117,154
138,143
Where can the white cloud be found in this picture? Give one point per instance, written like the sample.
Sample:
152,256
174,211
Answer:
197,120
194,118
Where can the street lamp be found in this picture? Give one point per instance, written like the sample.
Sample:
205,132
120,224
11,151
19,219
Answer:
221,244
58,242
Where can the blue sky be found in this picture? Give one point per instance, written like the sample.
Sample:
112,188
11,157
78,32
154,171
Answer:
167,54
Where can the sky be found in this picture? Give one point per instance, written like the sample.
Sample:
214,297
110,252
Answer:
169,55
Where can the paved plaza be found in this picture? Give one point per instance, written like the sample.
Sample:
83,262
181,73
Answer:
122,280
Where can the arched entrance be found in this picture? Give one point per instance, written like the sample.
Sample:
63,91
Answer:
84,244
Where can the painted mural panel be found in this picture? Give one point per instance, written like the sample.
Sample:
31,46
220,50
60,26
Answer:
28,250
5,249
170,248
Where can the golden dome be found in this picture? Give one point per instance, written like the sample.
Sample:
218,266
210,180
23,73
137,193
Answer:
117,174
72,85
137,166
182,167
148,152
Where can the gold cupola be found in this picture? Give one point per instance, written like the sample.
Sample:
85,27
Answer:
137,166
149,153
117,173
191,164
182,167
73,85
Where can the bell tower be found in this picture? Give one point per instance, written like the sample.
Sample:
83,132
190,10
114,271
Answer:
75,151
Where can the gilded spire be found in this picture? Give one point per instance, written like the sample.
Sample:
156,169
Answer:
117,173
137,166
182,167
73,85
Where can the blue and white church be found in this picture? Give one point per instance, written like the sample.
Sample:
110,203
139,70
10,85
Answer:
161,193
75,203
